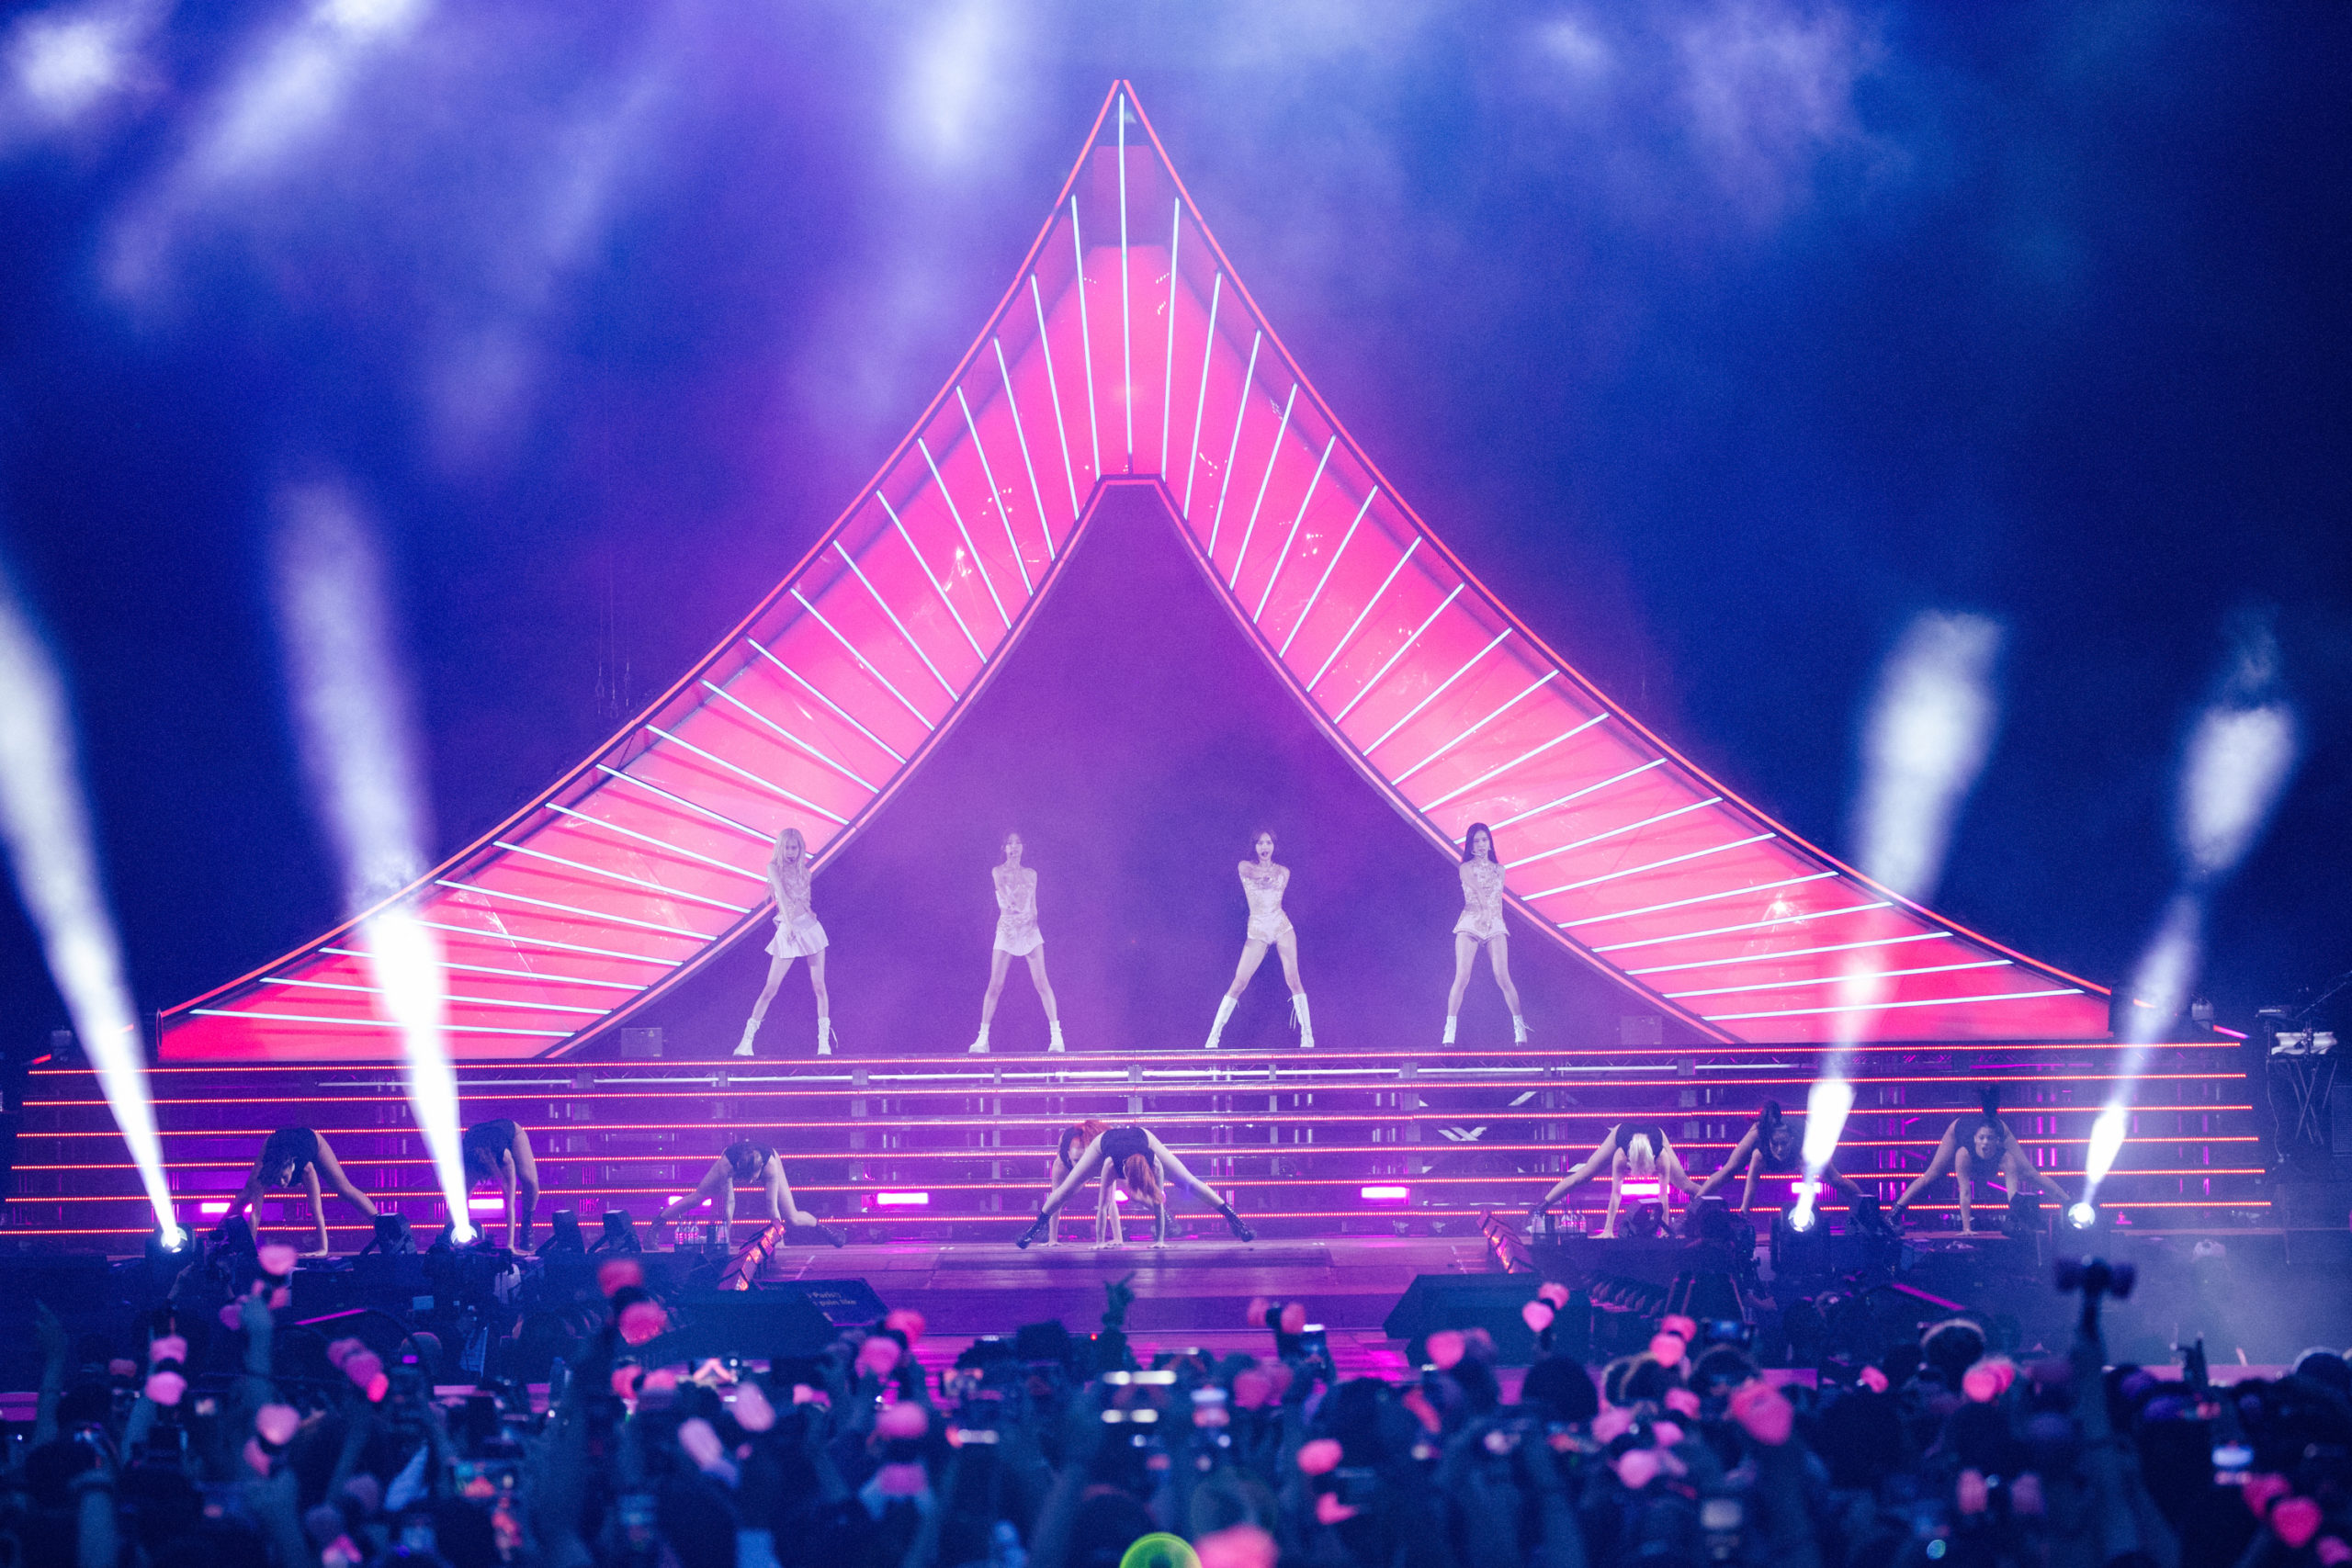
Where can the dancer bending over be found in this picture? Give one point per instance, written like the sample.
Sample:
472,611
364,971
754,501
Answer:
500,1151
798,935
1773,1146
298,1154
1262,883
1073,1143
1633,1151
1134,1158
1482,922
753,1165
1980,1144
1017,936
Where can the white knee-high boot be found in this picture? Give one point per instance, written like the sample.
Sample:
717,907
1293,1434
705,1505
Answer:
1224,1011
824,1036
1306,1025
749,1028
1518,1030
1450,1021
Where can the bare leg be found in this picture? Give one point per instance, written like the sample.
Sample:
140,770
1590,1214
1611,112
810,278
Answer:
332,1169
1172,1170
1107,1230
1087,1164
1253,952
1947,1152
999,961
1045,987
817,983
1465,949
1287,946
776,966
1499,958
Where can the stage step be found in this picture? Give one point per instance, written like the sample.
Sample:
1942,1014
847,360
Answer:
1327,1144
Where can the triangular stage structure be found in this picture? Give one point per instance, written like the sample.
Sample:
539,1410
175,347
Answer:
1128,352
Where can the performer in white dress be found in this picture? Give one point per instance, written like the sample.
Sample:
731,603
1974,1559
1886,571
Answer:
1017,936
1262,883
798,935
1482,923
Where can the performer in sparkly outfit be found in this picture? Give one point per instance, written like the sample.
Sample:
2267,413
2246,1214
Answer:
1017,936
1262,883
798,935
1482,924
1133,1158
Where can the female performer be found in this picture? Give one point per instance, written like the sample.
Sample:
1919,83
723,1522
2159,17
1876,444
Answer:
753,1165
1017,936
798,935
1482,922
1134,1158
1772,1146
1634,1150
1979,1144
1262,883
500,1151
297,1153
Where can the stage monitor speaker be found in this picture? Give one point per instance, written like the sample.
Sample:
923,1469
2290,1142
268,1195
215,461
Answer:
1639,1029
846,1304
759,1325
1491,1301
640,1044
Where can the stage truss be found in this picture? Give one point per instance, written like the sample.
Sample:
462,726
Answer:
1126,352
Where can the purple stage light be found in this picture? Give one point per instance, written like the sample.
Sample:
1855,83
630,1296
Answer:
1380,1194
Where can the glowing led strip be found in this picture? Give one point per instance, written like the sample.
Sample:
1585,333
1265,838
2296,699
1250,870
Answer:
777,788
1168,362
1528,756
1654,865
1283,555
378,1024
1790,953
1746,926
532,976
751,833
1201,403
1284,653
717,690
1021,439
1126,321
1054,392
862,661
1402,648
1701,899
1613,832
982,566
654,888
1577,795
1874,1007
1233,449
454,1001
1369,606
570,909
937,587
1540,682
996,496
832,707
1442,687
1838,979
514,939
859,572
663,844
1274,455
1085,335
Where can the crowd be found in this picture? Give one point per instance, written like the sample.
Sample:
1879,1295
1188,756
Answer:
241,1440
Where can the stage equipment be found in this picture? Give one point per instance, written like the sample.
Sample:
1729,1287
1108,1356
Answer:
1491,1301
745,1266
640,1044
394,1236
563,1235
1447,704
1800,1248
620,1234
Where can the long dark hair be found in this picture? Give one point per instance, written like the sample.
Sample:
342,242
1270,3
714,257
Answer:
1470,837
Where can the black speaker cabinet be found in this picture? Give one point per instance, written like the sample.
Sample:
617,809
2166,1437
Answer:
1491,1301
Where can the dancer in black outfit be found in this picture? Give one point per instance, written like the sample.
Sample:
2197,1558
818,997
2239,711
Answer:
1772,1146
1134,1158
500,1151
752,1165
298,1154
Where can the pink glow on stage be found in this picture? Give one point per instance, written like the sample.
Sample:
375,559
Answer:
902,1200
1387,1194
642,863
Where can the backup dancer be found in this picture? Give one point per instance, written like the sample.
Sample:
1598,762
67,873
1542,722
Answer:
1980,1144
1772,1146
1262,883
500,1151
298,1154
1633,1150
1482,924
1132,1158
752,1165
798,935
1017,936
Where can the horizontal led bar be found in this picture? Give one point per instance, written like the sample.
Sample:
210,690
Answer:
1774,922
210,1210
1790,952
1686,903
1873,1007
902,1200
1578,794
375,1023
515,939
486,1205
718,817
1654,865
469,1002
655,888
1642,1187
1384,1194
594,914
1527,756
1840,979
1614,832
531,975
768,784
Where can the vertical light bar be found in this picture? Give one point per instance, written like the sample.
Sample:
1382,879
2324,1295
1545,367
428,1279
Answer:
1201,403
1328,566
46,826
949,497
1168,366
1233,448
1283,555
1274,455
1021,439
936,586
1126,324
996,496
1085,338
1054,388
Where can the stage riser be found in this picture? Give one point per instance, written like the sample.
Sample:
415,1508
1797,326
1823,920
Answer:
1290,1138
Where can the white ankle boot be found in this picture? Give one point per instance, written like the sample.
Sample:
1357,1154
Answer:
1053,1042
1306,1025
1450,1021
980,1047
824,1037
749,1030
1518,1030
1216,1029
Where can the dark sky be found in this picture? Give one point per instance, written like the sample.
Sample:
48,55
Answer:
1721,338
